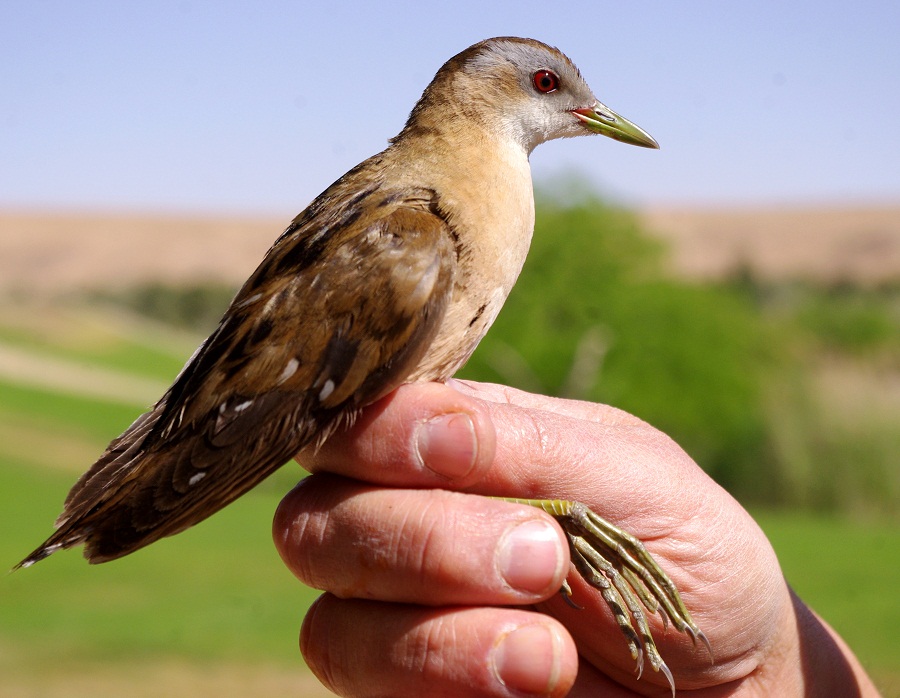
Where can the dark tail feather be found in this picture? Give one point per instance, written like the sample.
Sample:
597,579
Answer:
146,487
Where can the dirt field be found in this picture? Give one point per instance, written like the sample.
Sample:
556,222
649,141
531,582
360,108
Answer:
52,253
838,244
57,252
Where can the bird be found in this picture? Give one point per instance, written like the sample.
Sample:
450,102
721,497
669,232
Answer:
392,275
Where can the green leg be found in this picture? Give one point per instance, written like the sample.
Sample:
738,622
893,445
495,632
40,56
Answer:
619,566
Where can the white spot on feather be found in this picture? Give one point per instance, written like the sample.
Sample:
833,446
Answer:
327,390
196,477
42,554
249,301
270,305
243,406
289,370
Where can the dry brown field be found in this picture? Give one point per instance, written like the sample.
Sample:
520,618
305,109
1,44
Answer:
827,244
56,252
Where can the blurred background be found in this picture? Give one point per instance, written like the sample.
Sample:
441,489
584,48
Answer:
739,288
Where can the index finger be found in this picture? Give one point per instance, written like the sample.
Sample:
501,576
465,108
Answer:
499,441
421,435
578,409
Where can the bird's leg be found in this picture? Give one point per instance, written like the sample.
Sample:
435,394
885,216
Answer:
619,566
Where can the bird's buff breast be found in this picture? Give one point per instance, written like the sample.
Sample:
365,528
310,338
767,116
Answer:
494,219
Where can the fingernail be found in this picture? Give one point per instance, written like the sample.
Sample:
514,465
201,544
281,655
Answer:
530,555
527,659
447,445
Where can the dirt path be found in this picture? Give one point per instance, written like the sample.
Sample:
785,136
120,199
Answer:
30,368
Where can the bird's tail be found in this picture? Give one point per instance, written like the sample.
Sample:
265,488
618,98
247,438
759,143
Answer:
145,486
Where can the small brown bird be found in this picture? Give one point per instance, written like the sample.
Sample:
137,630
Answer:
392,275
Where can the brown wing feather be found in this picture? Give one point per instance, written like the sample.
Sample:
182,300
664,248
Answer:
304,345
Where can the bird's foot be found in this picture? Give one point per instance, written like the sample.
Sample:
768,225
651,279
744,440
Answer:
628,578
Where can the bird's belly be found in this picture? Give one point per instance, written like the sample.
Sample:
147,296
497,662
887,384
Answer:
458,336
480,290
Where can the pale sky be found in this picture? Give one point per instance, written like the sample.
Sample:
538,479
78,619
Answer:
254,108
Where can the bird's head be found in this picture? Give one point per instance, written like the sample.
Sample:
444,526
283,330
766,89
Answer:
523,89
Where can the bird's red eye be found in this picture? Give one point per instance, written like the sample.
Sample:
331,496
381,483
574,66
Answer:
545,81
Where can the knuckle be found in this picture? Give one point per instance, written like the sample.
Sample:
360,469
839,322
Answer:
429,536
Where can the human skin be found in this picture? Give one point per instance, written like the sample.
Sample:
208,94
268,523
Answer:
434,590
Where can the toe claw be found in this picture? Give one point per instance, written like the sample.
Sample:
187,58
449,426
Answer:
627,577
665,670
566,592
699,633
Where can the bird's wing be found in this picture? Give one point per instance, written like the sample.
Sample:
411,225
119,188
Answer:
338,314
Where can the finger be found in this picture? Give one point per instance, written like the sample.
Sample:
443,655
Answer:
615,463
578,409
424,435
520,445
423,546
545,442
365,648
592,682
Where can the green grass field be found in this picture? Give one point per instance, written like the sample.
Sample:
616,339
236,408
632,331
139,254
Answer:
850,575
216,603
215,595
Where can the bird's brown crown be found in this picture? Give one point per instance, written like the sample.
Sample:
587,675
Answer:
492,85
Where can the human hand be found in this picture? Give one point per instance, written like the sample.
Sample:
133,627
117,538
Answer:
435,591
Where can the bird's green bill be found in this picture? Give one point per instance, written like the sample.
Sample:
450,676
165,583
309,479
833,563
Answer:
602,119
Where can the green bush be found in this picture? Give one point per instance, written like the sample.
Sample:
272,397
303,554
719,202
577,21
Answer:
861,322
196,308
